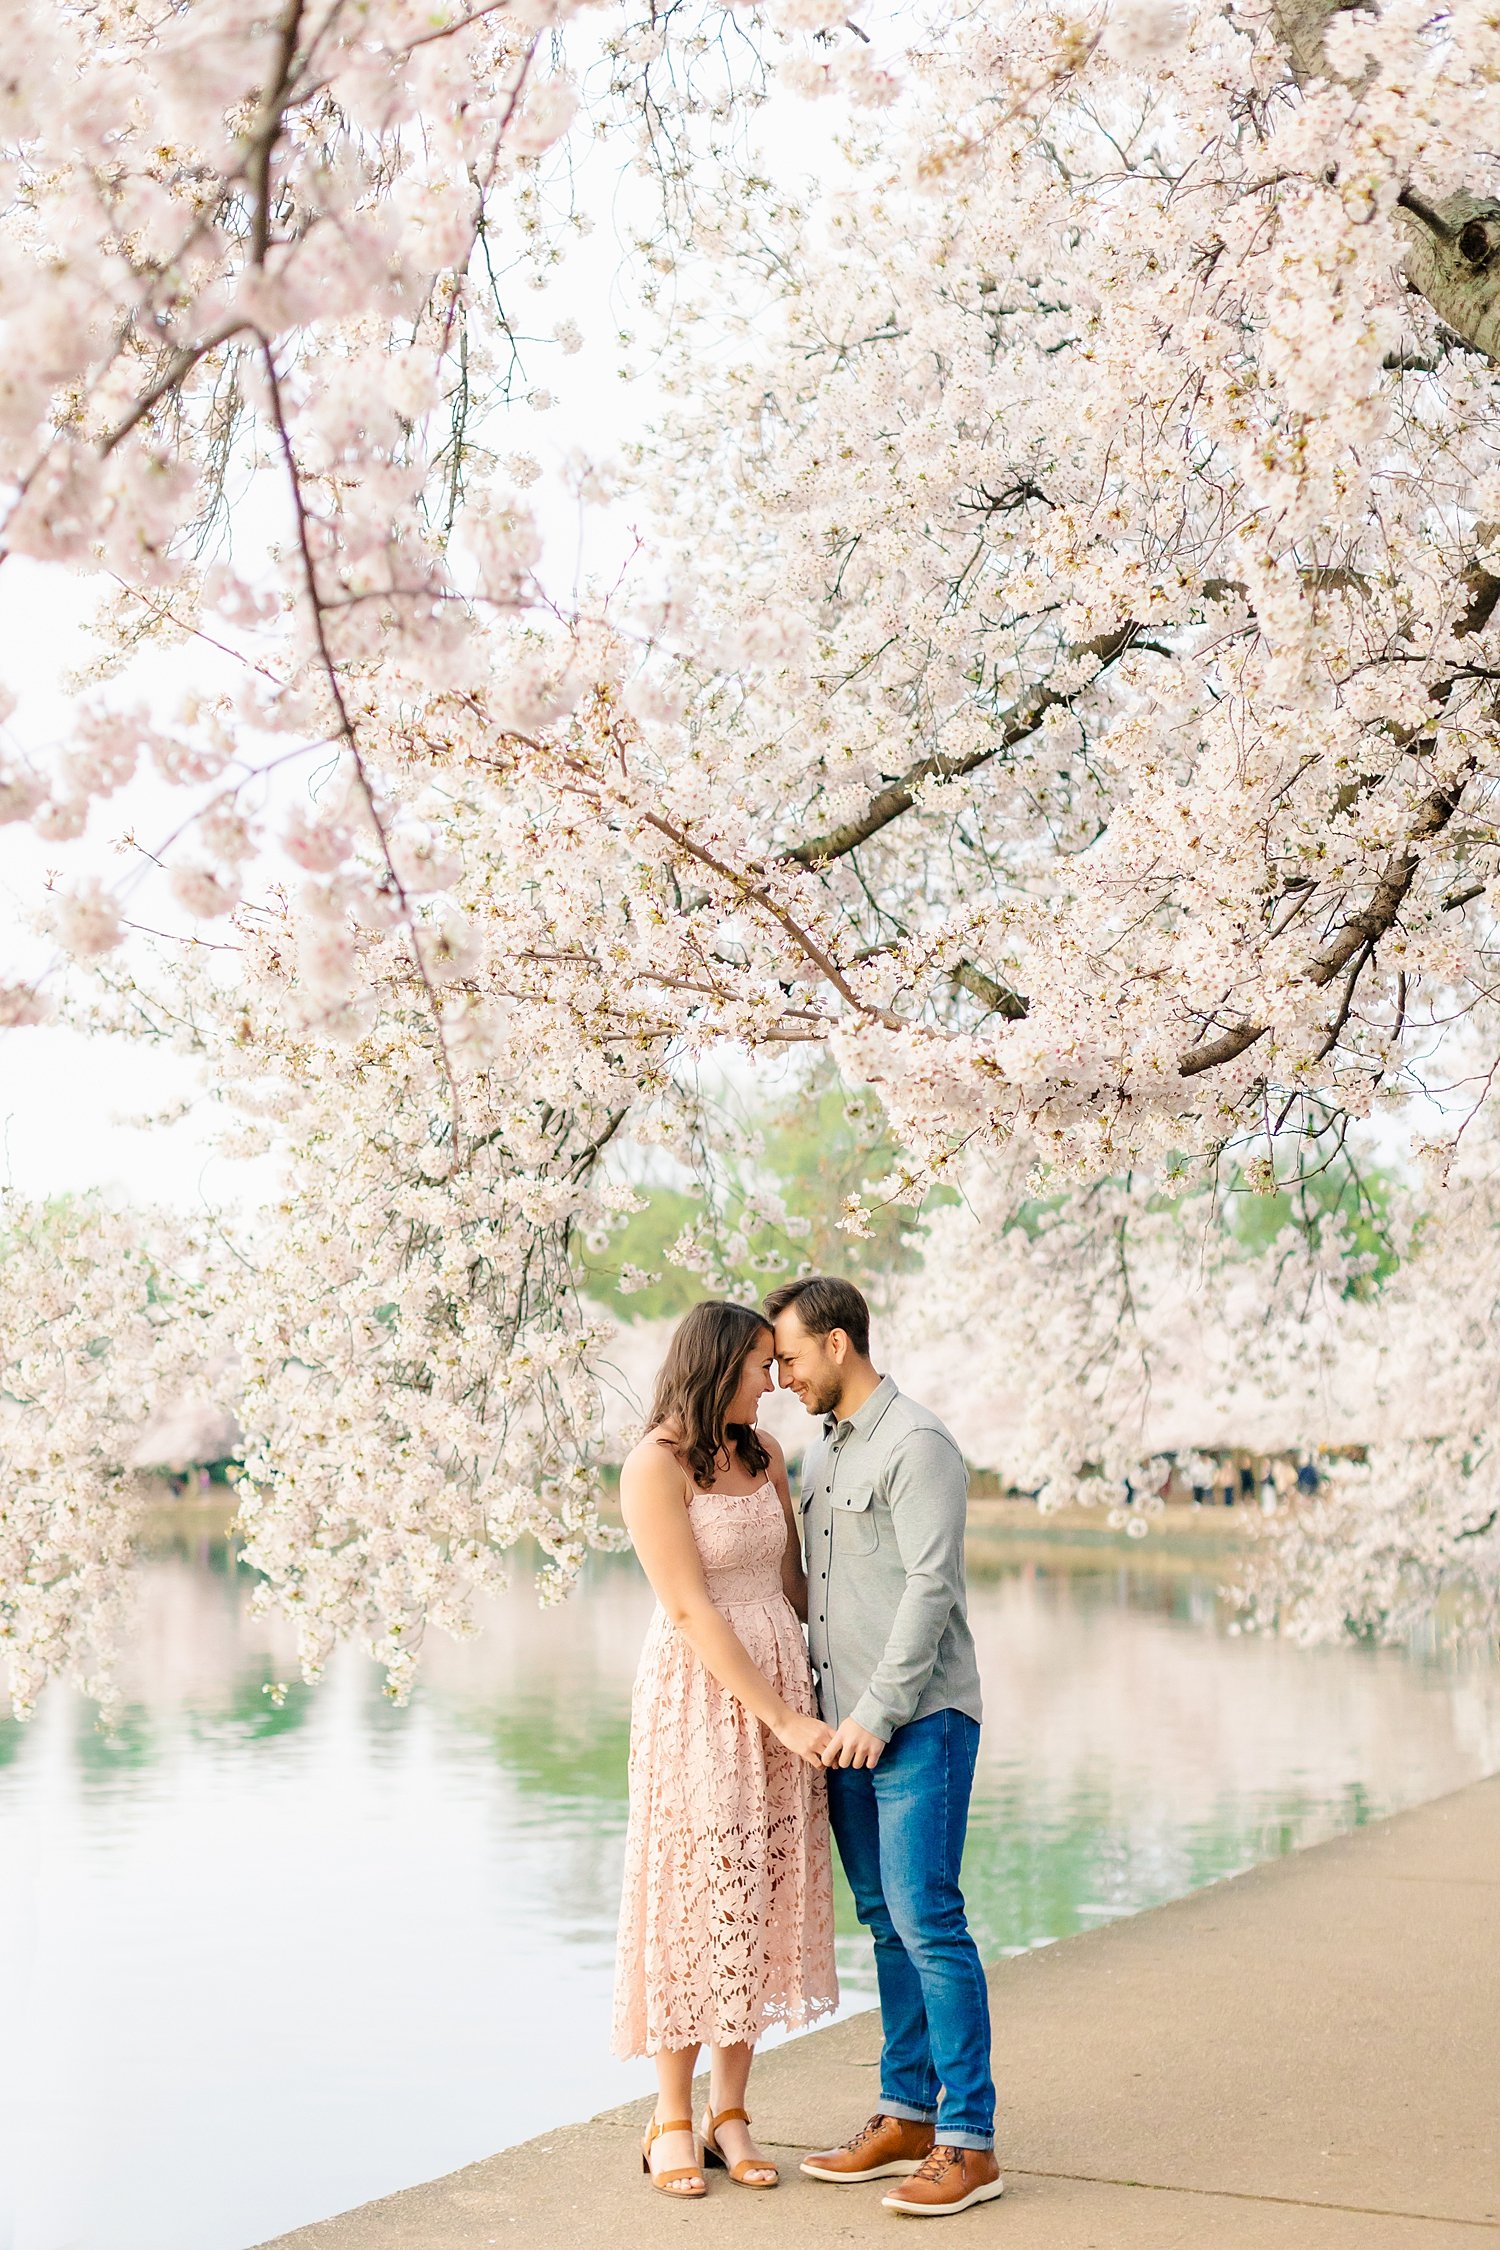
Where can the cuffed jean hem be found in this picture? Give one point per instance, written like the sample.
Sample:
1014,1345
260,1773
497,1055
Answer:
951,2137
905,2109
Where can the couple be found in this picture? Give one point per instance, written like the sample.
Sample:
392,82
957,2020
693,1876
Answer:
726,1924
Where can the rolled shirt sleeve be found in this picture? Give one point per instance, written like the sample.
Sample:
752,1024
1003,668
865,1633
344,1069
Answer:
927,1490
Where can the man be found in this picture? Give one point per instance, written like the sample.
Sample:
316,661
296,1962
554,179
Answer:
884,1494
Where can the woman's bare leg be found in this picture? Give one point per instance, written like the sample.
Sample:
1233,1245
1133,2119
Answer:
728,2082
674,2098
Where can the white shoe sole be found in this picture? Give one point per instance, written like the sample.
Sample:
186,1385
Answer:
985,2194
900,2167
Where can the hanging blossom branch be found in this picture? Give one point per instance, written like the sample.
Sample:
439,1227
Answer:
1111,363
1359,935
345,730
1019,723
325,222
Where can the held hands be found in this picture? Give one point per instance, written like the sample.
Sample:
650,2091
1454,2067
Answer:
807,1734
852,1745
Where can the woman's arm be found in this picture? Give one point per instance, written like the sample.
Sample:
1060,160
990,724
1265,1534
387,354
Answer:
652,1505
793,1577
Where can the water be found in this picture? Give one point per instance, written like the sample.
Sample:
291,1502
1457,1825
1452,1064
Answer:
257,1965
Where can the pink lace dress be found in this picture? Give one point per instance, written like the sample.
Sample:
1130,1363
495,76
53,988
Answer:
726,1923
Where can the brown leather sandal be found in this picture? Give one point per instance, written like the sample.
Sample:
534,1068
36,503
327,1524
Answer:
662,2181
739,2173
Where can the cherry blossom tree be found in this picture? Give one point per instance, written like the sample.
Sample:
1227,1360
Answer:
102,1311
1056,678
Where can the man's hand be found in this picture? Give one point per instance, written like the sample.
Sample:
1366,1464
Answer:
852,1745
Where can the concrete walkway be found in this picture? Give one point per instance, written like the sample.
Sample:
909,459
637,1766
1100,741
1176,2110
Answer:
1305,2058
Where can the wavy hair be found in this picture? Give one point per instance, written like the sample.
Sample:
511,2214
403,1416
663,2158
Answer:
697,1383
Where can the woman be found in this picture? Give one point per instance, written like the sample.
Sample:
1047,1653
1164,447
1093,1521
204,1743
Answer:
726,1924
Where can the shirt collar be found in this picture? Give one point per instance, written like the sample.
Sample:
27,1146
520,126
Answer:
864,1418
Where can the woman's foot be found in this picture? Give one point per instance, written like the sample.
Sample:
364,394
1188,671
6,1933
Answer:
673,2152
732,2139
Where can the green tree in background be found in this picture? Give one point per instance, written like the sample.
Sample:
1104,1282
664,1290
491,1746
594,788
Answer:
819,1144
813,1149
1340,1192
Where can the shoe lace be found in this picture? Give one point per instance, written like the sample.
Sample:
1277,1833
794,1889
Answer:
940,2161
867,2132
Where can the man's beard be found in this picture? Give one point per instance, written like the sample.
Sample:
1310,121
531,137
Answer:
825,1397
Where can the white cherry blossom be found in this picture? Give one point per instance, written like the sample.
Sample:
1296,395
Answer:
1055,679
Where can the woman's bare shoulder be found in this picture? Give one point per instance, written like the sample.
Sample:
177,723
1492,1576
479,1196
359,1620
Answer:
773,1447
652,1465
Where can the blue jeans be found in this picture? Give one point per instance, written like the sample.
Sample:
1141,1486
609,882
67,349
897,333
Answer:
900,1830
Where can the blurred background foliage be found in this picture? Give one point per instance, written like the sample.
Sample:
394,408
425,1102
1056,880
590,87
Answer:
816,1144
1337,1192
813,1147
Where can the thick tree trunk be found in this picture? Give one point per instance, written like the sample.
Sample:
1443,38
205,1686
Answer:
1453,259
1454,262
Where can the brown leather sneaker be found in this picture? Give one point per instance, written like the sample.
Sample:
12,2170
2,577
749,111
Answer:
882,2147
949,2181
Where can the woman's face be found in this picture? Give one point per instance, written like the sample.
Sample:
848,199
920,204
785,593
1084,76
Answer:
755,1379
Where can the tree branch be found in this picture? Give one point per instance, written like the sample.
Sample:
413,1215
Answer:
344,726
1362,930
1021,720
999,998
266,131
1226,1048
898,797
182,363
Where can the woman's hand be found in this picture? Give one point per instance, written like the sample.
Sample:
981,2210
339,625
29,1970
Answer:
804,1732
653,1503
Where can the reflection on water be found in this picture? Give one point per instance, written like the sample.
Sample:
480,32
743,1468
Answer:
261,1964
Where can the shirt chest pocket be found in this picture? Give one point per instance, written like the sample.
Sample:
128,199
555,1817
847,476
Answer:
855,1531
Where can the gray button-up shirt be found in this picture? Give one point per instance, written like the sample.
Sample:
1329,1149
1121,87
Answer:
884,1496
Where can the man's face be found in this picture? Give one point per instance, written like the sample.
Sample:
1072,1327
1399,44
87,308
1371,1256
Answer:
810,1367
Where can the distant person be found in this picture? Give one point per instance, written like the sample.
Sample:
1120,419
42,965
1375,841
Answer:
726,1922
883,1502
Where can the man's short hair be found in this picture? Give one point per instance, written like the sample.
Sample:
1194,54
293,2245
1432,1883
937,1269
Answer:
823,1301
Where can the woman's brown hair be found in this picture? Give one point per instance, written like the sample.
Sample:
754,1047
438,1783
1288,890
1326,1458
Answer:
697,1383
